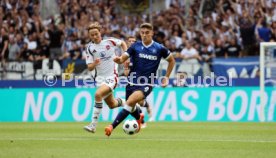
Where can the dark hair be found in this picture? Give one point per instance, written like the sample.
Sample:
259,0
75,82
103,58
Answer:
146,25
182,72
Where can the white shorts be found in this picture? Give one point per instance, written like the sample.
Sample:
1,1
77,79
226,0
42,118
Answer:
111,82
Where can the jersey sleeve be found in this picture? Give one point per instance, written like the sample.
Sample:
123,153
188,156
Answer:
165,53
130,51
89,56
115,41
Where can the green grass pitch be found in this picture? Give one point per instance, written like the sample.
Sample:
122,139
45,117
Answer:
158,140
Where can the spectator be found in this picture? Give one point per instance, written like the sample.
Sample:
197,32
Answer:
263,33
206,55
73,53
180,80
234,49
190,57
32,46
247,34
273,29
21,44
44,49
56,38
219,50
4,45
189,52
14,49
159,37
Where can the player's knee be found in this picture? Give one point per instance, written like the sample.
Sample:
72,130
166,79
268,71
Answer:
131,103
98,96
141,103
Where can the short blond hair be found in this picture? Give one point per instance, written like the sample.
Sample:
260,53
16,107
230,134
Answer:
94,25
146,25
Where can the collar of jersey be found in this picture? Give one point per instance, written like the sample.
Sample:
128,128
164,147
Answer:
147,45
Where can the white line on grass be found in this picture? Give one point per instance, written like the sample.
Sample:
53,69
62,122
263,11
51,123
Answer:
138,139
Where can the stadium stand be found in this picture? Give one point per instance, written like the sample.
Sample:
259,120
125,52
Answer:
43,37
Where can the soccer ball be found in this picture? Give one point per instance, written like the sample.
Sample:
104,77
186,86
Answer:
130,127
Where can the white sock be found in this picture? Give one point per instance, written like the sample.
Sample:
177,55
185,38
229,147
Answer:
129,108
96,113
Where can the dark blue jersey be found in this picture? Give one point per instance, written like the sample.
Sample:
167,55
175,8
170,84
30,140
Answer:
145,62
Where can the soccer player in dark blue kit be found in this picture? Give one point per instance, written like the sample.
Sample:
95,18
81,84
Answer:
146,56
127,66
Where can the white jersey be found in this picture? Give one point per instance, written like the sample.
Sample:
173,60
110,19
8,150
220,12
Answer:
105,51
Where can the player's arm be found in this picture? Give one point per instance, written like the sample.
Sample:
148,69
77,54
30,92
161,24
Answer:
6,45
125,56
119,43
171,64
91,66
126,68
91,62
124,46
121,59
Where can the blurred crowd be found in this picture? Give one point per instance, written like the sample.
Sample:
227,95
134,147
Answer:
205,29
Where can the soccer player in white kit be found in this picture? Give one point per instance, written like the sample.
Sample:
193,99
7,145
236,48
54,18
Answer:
99,57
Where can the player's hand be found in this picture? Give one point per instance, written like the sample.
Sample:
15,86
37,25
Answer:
97,61
117,60
126,64
165,81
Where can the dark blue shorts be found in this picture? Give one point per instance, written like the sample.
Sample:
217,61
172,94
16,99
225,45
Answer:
132,88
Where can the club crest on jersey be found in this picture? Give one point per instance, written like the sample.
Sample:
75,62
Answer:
107,47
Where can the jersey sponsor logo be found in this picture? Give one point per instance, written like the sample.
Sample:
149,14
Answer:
102,54
149,57
94,51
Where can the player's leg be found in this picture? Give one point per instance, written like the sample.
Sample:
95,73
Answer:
112,102
148,107
146,91
101,92
144,103
129,107
109,99
141,103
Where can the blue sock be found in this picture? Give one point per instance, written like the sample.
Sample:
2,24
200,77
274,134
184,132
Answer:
120,117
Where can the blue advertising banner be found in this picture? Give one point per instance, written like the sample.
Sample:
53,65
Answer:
236,67
169,104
